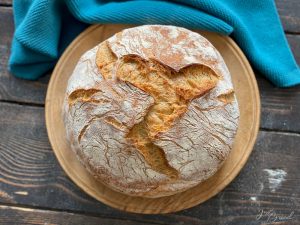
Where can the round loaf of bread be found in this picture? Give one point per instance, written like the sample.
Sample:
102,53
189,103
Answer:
151,111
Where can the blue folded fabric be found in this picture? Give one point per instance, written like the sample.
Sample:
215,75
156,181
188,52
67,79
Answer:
44,28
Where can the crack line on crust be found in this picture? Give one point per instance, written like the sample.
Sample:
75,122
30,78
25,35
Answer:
84,95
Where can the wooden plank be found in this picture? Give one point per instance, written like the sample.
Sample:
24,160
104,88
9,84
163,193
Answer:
12,88
30,175
21,215
289,14
280,107
5,2
294,42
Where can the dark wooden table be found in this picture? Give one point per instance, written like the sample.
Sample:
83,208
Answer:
35,190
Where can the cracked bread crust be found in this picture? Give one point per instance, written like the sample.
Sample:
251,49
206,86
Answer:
151,111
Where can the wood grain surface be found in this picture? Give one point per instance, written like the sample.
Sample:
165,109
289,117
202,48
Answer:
245,197
26,156
13,89
21,215
289,14
5,2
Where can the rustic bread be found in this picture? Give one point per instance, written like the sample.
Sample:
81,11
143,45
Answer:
151,111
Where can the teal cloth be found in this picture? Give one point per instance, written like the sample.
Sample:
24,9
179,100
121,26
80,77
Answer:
45,27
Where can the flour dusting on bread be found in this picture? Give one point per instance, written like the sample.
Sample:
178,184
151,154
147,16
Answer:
151,111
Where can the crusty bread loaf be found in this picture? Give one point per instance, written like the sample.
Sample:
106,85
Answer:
151,111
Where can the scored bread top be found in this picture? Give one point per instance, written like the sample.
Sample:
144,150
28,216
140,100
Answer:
151,111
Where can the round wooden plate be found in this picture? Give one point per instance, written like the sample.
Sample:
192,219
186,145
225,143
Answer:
249,103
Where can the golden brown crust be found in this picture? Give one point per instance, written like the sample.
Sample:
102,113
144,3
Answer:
156,114
172,92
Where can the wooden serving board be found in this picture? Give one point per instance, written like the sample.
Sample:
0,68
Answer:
249,103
